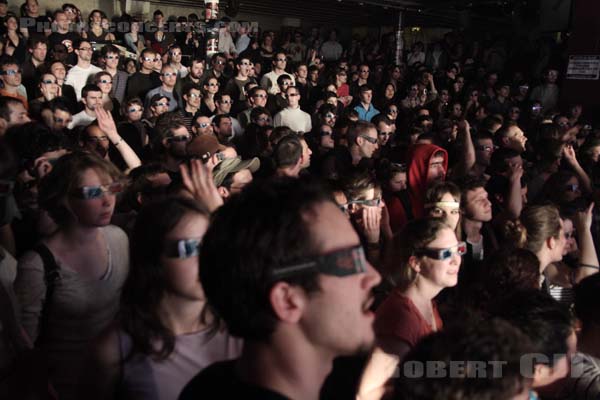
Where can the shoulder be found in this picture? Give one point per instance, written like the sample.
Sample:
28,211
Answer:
31,260
210,381
117,237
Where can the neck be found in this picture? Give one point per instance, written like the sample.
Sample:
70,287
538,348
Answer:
10,89
111,70
356,156
35,62
167,88
472,230
422,292
171,163
365,105
195,80
83,64
89,112
191,109
296,371
544,258
180,315
292,172
176,64
145,71
293,106
81,235
279,71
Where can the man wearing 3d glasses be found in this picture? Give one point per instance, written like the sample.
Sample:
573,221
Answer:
302,291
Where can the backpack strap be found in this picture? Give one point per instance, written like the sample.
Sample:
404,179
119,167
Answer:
50,277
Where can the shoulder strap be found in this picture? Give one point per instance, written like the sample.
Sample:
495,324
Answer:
50,277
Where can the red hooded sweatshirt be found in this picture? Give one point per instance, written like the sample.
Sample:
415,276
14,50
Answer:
419,156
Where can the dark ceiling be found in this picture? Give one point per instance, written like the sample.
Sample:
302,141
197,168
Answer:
488,14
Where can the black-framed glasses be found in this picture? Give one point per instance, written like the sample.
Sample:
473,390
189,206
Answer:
182,249
368,139
161,104
340,263
263,119
48,82
219,62
179,138
213,84
113,57
96,192
443,254
133,109
105,81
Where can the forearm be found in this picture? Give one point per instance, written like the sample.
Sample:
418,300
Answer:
587,256
514,206
584,178
129,156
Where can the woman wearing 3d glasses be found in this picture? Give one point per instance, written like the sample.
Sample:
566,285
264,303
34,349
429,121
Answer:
68,287
165,334
426,259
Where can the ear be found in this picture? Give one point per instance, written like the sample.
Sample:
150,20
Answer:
551,242
138,198
223,192
165,143
505,140
414,263
288,302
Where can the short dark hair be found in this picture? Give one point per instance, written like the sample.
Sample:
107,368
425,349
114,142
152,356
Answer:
544,320
109,49
34,40
217,118
188,87
89,88
269,221
359,128
283,77
5,102
490,341
288,151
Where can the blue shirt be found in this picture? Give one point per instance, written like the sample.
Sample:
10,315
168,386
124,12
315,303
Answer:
364,114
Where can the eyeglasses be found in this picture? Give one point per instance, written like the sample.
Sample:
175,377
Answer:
245,63
392,111
95,192
133,110
368,139
105,81
112,57
219,62
49,82
96,139
384,133
369,203
11,72
293,94
339,263
179,139
148,59
193,95
443,254
62,120
157,60
85,49
260,96
202,125
169,74
364,71
281,59
263,119
326,133
182,249
330,115
161,104
572,188
226,102
175,53
213,84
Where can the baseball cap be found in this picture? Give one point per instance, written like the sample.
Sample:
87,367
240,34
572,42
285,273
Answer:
204,145
233,165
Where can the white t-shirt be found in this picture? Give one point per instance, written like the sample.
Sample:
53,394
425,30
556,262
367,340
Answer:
294,118
78,78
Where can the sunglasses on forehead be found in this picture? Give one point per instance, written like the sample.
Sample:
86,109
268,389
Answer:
344,262
443,254
182,249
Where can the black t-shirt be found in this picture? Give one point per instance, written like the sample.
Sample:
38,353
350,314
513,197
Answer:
219,381
37,25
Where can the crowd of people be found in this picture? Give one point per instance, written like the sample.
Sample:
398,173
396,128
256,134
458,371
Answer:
291,217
